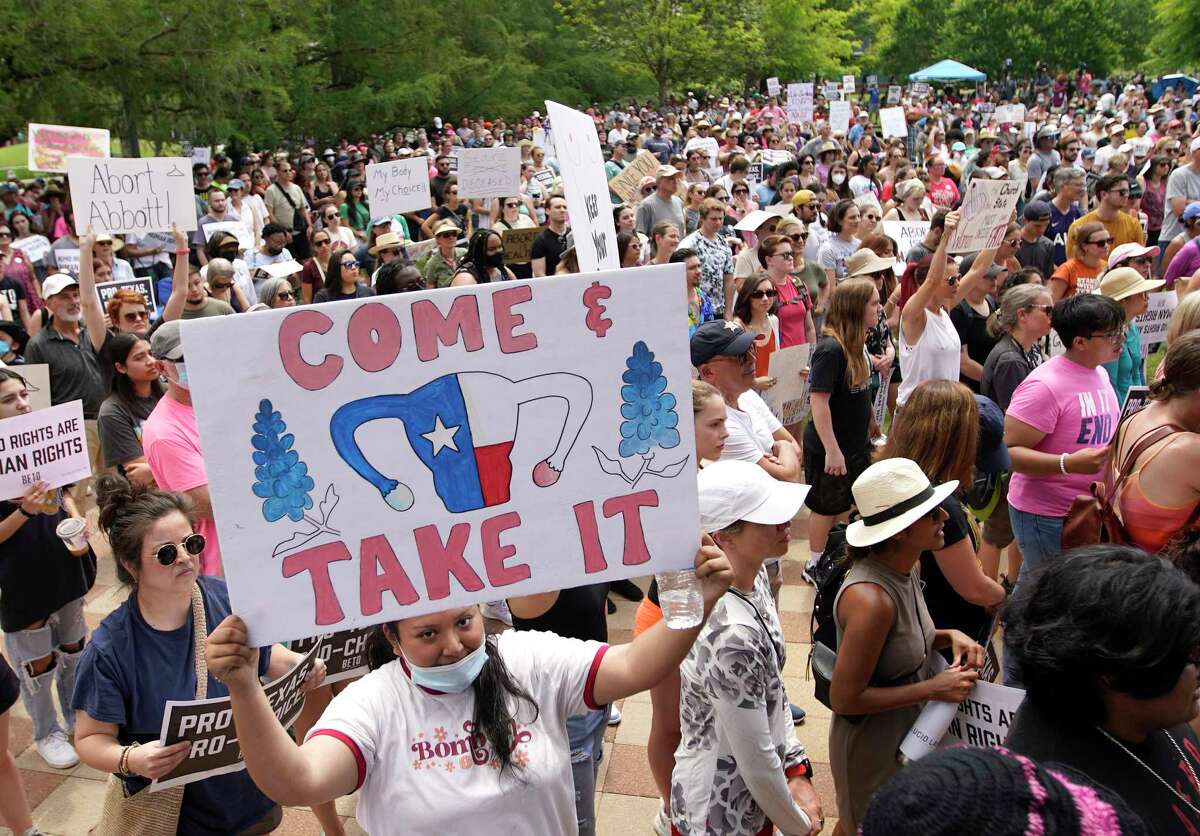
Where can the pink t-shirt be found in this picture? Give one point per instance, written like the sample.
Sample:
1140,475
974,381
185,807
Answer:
172,446
792,316
1075,407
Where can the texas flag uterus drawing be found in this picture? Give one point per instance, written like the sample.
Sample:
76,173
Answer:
462,427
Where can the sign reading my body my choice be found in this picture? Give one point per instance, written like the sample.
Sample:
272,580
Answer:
406,454
118,195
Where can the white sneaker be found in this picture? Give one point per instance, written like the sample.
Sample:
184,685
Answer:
57,751
614,716
662,825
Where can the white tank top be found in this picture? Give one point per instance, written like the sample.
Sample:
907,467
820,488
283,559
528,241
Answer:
934,357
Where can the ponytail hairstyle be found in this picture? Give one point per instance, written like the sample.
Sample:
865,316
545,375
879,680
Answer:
1020,298
702,391
1180,369
844,323
497,693
126,511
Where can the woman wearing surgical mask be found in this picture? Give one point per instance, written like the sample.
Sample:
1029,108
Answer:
484,261
453,730
837,185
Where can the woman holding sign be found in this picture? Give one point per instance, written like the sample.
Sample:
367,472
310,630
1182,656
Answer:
885,636
453,731
148,651
42,585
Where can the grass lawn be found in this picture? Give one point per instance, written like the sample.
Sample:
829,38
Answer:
14,157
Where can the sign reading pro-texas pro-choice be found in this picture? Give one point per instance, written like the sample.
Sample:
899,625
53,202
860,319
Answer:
405,454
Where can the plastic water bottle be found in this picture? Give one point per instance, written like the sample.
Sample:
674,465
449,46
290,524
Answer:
680,598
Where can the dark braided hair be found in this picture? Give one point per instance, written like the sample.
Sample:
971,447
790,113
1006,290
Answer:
126,511
493,689
997,793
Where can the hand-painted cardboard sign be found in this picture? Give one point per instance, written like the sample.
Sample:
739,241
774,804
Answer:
389,457
50,145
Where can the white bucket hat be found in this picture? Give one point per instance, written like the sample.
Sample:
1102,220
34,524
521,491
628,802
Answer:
732,490
891,495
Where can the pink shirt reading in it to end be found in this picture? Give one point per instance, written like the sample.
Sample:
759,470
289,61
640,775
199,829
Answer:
1076,408
171,443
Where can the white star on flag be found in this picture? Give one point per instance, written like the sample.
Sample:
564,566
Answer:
441,436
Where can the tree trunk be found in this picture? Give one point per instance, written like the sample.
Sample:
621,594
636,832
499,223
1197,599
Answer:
662,90
132,147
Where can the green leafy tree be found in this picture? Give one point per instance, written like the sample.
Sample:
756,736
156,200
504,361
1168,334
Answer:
1176,42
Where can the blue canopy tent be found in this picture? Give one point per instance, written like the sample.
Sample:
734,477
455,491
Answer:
1171,81
948,71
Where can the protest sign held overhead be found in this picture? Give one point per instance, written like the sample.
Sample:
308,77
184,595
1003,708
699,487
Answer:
986,210
891,119
773,86
518,244
50,145
585,187
517,472
67,260
118,195
46,445
625,184
208,724
144,286
839,117
847,84
893,96
800,101
489,172
399,186
34,246
906,234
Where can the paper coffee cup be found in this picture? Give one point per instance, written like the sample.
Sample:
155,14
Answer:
73,532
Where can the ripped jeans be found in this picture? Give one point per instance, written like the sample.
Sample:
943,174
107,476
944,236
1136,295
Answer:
62,628
585,733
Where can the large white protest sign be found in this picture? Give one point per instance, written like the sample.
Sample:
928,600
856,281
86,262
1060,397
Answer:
800,101
788,398
906,234
920,88
398,455
143,285
208,724
585,187
773,86
982,719
35,247
839,117
847,84
132,195
872,81
831,89
489,172
43,446
201,154
400,186
67,260
891,119
50,145
986,211
1157,319
236,228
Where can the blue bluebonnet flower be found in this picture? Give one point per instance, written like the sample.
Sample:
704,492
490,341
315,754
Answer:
282,480
648,409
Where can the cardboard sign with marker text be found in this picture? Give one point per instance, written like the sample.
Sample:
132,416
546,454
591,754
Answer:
146,194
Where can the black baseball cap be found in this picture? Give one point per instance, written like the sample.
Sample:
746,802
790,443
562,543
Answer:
719,338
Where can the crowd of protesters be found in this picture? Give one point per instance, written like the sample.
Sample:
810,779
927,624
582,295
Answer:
1004,372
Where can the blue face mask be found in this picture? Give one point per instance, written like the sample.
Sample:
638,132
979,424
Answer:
5,347
453,678
181,370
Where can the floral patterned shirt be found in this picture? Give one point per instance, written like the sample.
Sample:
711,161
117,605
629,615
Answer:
739,745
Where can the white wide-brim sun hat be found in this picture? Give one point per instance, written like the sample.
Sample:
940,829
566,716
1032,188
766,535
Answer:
891,495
